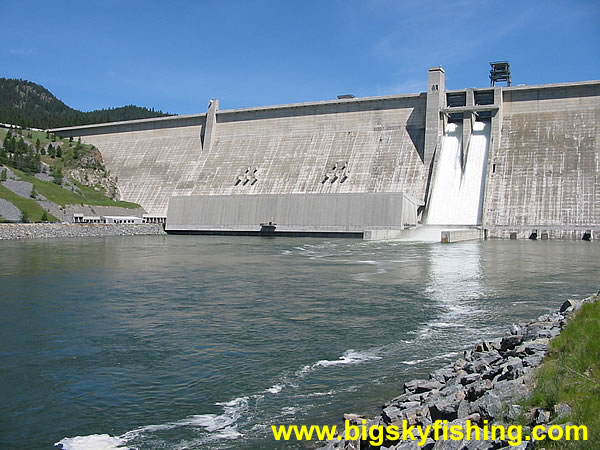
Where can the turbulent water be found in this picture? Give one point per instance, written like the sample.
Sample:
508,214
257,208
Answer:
457,190
204,342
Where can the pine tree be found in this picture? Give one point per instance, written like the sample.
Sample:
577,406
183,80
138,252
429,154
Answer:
57,174
22,146
8,143
59,152
38,144
33,193
44,217
3,175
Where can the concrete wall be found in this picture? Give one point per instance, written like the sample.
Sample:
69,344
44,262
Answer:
293,149
291,212
286,149
546,169
151,164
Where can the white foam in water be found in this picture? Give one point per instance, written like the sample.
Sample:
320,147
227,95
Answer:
433,358
222,425
456,194
92,442
228,433
275,389
425,233
349,357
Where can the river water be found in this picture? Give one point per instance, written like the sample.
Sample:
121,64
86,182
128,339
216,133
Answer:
204,342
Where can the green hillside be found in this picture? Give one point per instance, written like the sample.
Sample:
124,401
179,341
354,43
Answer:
31,105
73,173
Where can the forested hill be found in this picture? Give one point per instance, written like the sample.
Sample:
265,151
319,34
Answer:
31,105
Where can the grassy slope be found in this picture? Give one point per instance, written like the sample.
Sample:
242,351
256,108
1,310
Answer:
28,206
571,374
56,193
61,196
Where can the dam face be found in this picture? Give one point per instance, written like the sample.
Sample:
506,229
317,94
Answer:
545,170
538,170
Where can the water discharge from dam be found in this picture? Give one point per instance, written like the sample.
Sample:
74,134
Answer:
457,188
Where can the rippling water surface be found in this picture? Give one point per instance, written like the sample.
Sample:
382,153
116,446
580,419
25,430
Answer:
204,342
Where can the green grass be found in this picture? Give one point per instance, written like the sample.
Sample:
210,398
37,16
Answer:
99,198
61,196
41,135
30,207
571,374
67,147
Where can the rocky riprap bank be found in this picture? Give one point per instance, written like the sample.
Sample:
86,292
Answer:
60,230
486,384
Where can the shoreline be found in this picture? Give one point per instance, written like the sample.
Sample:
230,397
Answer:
20,231
484,386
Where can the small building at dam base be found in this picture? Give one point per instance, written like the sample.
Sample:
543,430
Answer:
505,159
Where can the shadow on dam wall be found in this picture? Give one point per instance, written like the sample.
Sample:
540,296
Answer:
415,128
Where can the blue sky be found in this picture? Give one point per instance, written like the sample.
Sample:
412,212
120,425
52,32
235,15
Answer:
177,55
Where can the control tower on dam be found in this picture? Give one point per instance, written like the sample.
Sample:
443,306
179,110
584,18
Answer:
519,158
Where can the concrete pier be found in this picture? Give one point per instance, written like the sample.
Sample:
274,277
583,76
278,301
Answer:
449,236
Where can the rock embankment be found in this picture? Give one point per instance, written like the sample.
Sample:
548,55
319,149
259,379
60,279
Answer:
59,230
484,386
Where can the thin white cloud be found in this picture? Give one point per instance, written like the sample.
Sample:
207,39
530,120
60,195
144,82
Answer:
20,51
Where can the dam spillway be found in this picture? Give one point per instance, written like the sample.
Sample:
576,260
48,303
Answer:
539,167
457,185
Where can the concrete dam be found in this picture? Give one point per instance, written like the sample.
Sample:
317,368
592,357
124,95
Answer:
510,161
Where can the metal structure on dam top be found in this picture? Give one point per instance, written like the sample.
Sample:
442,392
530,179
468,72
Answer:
542,159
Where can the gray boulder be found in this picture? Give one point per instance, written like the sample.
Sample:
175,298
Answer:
537,346
477,389
511,370
444,409
541,416
568,306
561,410
488,406
419,386
510,342
533,360
414,445
470,378
443,375
510,389
477,366
490,357
513,412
